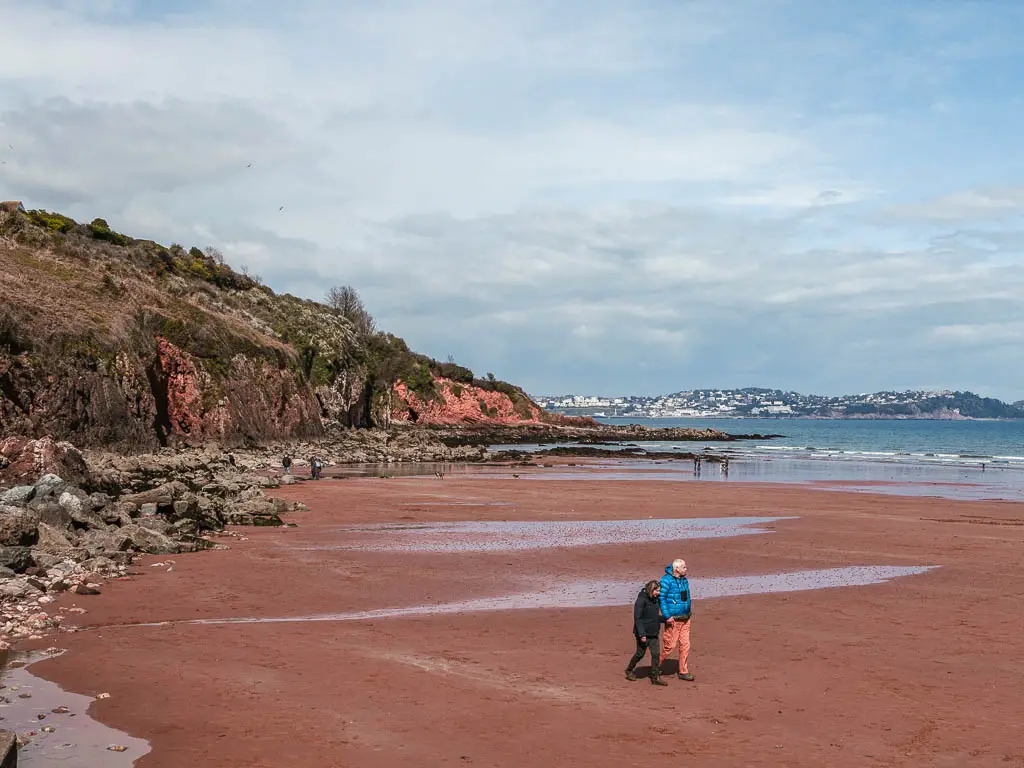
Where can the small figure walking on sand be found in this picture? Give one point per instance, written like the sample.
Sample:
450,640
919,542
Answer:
725,467
696,466
675,607
286,462
646,628
315,467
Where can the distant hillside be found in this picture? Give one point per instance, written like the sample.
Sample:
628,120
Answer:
760,402
106,340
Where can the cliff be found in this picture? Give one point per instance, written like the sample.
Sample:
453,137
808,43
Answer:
109,341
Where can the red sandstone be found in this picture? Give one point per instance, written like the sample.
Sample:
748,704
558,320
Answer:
459,404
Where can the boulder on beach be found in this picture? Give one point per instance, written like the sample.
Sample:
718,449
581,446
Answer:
52,540
28,458
153,542
18,496
17,526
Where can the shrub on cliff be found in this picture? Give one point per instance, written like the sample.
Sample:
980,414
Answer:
102,231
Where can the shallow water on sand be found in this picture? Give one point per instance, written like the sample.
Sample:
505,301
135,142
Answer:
502,536
601,593
77,741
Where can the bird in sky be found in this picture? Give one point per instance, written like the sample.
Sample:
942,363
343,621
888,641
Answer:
281,208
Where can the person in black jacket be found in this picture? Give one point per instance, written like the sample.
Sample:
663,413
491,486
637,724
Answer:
647,622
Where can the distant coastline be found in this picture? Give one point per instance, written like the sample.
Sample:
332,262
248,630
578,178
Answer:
760,403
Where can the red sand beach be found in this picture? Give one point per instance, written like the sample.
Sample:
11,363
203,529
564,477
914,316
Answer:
923,670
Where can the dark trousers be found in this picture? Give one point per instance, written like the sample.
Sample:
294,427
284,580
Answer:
651,644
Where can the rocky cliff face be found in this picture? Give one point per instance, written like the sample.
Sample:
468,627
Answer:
106,341
455,403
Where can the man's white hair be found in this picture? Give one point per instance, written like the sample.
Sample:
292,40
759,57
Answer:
678,563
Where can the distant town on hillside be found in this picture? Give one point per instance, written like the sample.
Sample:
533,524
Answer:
754,402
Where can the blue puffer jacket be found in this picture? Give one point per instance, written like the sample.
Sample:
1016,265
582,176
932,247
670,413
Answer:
675,596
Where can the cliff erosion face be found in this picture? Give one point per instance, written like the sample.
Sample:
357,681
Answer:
457,403
106,341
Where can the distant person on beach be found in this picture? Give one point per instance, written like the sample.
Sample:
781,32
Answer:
286,462
314,468
675,607
646,628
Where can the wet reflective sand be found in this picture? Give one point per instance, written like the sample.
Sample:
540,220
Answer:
77,740
503,536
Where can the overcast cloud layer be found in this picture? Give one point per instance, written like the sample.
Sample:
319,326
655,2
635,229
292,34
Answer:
578,195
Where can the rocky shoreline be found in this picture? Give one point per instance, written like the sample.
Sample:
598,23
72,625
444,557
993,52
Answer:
484,435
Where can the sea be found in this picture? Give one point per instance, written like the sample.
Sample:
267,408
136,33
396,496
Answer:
971,443
952,459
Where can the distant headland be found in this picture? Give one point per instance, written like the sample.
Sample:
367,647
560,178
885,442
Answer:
755,402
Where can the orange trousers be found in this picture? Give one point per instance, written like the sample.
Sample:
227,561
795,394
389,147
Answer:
677,632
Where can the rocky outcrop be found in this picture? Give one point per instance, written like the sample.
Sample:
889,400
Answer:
583,431
453,402
23,458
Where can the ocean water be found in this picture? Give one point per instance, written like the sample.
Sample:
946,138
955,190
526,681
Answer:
994,443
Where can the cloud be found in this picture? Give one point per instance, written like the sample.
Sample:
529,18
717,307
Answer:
966,205
614,196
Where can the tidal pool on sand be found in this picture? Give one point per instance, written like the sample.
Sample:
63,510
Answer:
601,593
503,536
76,739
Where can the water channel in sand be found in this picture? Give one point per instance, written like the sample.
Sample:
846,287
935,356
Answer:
508,535
77,740
601,593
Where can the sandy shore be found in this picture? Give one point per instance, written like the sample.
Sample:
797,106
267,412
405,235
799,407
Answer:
919,671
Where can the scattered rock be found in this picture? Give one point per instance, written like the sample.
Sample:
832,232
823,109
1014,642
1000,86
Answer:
99,543
18,496
117,748
80,511
84,589
103,696
50,512
153,542
15,558
60,710
51,540
17,526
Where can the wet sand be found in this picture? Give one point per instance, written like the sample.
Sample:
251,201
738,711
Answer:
920,670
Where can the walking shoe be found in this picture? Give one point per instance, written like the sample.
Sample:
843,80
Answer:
656,680
686,676
631,675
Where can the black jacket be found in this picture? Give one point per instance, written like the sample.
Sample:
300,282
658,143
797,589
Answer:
646,616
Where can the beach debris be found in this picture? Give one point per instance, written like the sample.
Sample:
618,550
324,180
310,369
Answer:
49,729
25,695
103,696
60,710
117,748
41,716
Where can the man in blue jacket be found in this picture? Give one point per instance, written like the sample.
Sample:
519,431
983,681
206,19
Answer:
675,607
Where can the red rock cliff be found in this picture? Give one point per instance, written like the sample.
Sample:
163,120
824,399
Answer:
457,403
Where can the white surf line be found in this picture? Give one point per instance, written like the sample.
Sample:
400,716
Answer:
595,594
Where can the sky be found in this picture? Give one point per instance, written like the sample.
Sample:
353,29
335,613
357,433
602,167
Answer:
593,196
